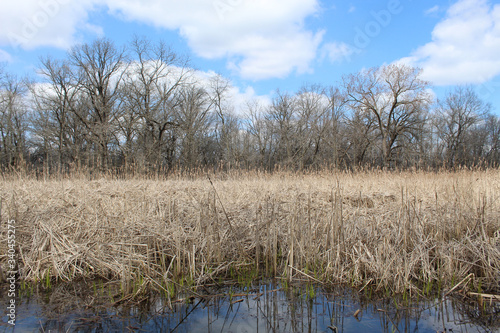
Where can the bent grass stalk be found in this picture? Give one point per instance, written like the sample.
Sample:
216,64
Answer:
394,231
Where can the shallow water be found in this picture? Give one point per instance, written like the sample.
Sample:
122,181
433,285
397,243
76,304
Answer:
265,308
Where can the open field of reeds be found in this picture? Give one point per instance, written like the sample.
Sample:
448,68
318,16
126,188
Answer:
403,232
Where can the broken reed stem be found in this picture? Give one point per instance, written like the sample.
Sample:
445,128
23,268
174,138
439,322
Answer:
466,279
222,205
306,275
495,298
233,231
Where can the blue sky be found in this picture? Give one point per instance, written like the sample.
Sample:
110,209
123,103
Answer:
262,45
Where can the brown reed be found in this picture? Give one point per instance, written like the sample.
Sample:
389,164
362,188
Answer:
398,231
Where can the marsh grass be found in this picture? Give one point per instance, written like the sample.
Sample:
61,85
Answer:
408,232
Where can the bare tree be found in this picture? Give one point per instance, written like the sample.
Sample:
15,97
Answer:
332,127
100,108
361,134
493,140
149,94
314,121
227,124
55,102
457,114
260,132
100,67
282,114
396,97
13,121
192,109
298,131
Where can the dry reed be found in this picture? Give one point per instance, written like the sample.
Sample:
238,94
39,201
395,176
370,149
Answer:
404,231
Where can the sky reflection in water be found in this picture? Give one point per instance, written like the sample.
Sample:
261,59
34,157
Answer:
267,309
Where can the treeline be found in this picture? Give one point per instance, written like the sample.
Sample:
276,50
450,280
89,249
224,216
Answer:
142,108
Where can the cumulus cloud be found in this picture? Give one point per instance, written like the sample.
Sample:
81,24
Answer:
29,24
262,38
465,45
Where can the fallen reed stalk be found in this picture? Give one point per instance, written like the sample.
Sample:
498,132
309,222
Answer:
398,231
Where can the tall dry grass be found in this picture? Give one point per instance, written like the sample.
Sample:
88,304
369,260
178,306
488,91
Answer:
408,231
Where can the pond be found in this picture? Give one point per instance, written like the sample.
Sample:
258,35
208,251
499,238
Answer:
267,307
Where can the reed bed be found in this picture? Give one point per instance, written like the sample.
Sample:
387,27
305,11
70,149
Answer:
394,231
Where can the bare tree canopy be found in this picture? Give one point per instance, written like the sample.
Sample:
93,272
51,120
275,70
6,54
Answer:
143,108
397,99
13,120
457,114
100,67
149,95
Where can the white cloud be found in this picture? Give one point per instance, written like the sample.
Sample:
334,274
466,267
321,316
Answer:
4,56
261,38
277,56
264,38
33,23
432,10
337,51
240,99
465,45
235,96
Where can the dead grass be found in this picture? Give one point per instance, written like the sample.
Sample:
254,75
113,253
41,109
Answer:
397,231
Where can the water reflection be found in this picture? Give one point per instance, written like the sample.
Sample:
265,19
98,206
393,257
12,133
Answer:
266,308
